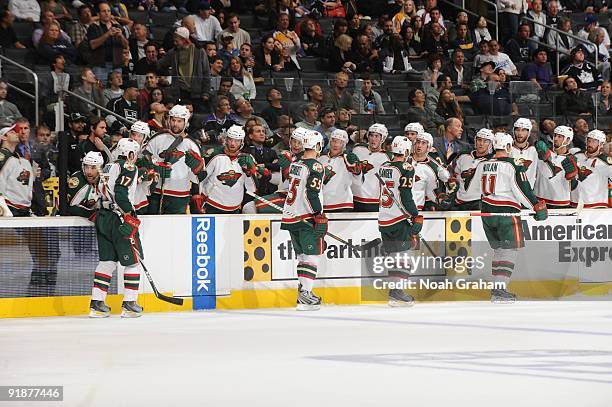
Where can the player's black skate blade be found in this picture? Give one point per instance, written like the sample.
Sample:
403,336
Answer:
307,301
502,297
399,298
98,309
131,309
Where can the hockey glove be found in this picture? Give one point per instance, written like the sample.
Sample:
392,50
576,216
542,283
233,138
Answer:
163,169
570,167
543,150
541,212
284,160
320,226
417,225
173,156
194,161
583,173
452,185
328,174
247,163
353,165
197,203
129,227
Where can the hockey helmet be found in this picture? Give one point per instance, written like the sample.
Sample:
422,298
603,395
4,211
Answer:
597,135
523,123
235,132
179,111
299,133
503,141
313,140
380,129
340,134
125,146
401,145
486,134
415,127
142,128
425,136
93,158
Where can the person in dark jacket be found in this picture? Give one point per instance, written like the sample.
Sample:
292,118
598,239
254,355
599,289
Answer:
264,156
574,101
53,44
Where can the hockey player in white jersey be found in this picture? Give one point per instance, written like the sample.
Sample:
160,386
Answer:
222,189
523,151
83,187
16,174
117,232
557,169
465,167
178,162
366,188
304,202
337,193
426,169
412,129
594,174
505,189
399,234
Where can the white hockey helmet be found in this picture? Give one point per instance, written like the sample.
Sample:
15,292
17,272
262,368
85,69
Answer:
142,128
179,111
503,141
94,158
415,127
400,145
125,146
235,132
567,133
298,133
313,140
523,123
597,135
427,137
380,129
341,135
486,134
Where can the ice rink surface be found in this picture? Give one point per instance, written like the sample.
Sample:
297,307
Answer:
434,354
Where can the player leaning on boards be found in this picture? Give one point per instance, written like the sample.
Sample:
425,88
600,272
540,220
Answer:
83,187
16,174
226,176
398,233
594,174
281,177
366,189
504,188
117,232
178,162
523,151
557,169
343,167
465,167
304,201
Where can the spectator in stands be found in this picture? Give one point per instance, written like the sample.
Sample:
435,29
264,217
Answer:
244,112
314,95
410,45
384,40
287,38
138,41
225,89
157,117
552,13
604,101
448,106
243,81
574,101
343,121
591,23
310,112
464,41
114,88
435,17
44,145
60,12
327,121
602,56
434,70
378,28
220,120
120,14
233,28
340,27
418,28
501,59
402,19
547,130
482,55
419,112
366,100
536,13
581,129
538,70
91,89
25,10
216,69
395,58
462,18
354,25
460,75
95,139
40,165
207,26
562,42
480,81
52,45
78,29
46,19
339,96
57,79
520,47
363,56
268,57
76,133
125,106
283,133
227,50
106,41
156,95
431,6
481,31
493,100
264,157
8,37
248,60
151,83
435,42
149,62
312,42
210,48
509,11
585,74
275,108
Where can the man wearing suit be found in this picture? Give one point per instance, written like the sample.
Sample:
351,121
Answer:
450,145
459,74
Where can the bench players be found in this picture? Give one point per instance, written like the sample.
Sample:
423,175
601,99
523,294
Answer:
523,151
465,167
594,174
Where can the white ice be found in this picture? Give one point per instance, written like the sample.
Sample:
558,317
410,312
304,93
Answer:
434,354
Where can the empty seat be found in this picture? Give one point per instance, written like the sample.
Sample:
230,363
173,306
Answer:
247,21
162,19
309,64
389,107
401,106
141,17
399,95
362,120
389,120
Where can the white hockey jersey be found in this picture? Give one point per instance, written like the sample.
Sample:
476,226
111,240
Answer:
551,185
529,158
594,189
16,180
225,183
366,188
305,176
337,191
467,162
141,196
179,183
425,183
396,177
111,175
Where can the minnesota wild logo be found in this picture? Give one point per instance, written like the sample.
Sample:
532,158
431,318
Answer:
366,166
24,177
229,178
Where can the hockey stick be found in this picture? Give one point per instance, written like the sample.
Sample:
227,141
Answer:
365,246
171,300
579,209
406,214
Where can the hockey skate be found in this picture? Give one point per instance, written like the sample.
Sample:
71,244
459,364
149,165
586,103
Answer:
502,297
399,298
131,309
307,300
98,309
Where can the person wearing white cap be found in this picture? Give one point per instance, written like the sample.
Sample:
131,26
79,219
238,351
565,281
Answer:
594,174
16,174
465,166
207,26
523,151
83,191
